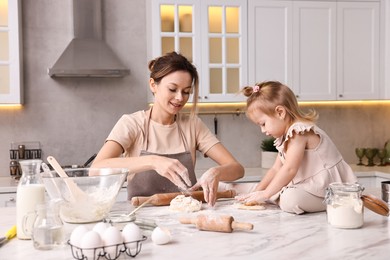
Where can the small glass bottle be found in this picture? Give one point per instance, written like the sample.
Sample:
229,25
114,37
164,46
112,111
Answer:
47,231
344,205
30,192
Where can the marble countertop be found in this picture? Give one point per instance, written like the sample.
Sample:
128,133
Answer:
276,235
9,185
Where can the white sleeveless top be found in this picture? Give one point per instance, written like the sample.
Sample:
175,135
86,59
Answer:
321,165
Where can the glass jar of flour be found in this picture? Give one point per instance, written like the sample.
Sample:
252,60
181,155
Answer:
344,205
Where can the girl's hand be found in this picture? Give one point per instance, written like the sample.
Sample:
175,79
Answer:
173,170
256,197
209,183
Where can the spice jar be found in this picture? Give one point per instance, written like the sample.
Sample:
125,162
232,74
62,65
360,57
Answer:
344,205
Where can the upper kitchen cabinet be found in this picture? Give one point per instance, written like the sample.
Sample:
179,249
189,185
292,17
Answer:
270,41
324,50
358,50
10,52
210,33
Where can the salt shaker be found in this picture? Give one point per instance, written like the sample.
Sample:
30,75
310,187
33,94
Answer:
344,205
30,192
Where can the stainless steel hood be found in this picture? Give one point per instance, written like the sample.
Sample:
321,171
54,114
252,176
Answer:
87,55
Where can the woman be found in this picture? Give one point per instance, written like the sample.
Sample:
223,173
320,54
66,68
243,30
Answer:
160,144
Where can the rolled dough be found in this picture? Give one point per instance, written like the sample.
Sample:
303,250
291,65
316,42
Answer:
248,207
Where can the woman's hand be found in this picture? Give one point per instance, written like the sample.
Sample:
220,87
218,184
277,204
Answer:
256,197
173,170
209,183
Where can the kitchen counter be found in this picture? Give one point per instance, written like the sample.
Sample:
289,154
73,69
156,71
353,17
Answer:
9,185
276,235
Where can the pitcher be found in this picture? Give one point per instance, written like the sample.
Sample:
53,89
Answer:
47,231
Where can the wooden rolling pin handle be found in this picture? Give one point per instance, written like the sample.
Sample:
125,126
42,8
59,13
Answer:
241,226
184,220
226,194
136,201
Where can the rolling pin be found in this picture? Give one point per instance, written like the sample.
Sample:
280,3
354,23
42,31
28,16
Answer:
216,223
164,199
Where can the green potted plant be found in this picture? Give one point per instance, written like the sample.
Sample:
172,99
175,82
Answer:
269,152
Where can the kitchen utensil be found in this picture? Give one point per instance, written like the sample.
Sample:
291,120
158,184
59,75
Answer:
140,206
117,217
163,199
385,185
100,192
216,223
375,204
132,249
55,194
76,192
89,161
11,233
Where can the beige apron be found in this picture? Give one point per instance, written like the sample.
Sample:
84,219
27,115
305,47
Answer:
150,182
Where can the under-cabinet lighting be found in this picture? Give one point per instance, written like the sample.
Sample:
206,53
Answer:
11,106
242,105
344,103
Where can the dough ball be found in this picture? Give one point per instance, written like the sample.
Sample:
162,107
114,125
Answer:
182,203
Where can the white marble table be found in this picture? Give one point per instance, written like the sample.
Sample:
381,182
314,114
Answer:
276,235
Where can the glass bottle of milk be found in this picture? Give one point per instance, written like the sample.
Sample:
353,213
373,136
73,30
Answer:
30,192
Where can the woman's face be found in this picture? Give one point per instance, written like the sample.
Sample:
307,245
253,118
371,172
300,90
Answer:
173,92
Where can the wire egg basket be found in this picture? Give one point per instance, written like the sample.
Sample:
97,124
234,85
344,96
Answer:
131,249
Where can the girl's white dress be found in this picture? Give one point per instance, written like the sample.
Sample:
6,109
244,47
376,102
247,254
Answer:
320,166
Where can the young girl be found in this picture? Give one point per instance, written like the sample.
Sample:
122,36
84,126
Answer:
160,144
308,161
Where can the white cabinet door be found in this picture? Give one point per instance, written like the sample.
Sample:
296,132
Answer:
10,53
358,50
210,33
8,199
270,41
323,50
314,50
224,50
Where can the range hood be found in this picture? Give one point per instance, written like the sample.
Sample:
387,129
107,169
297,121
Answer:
88,55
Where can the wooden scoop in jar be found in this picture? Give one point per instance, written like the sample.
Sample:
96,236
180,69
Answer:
164,199
216,223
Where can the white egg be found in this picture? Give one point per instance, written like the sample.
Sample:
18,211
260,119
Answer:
131,233
77,235
111,238
101,227
92,244
161,236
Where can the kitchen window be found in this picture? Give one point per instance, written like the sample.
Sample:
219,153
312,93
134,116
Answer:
10,52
